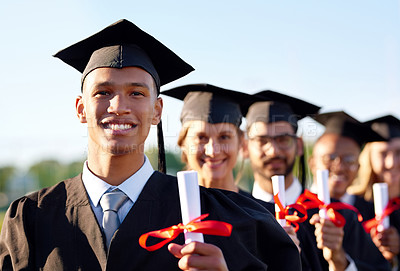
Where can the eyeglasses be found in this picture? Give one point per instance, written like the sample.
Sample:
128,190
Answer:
284,141
350,161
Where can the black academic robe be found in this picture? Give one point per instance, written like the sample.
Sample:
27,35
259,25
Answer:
56,229
356,243
308,253
366,208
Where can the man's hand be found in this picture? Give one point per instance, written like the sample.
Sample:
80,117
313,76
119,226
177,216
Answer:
329,239
198,256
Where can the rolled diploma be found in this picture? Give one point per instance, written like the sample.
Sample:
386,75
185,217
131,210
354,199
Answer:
189,196
381,199
278,186
323,190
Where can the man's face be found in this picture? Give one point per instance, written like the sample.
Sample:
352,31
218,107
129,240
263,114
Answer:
272,149
339,155
119,107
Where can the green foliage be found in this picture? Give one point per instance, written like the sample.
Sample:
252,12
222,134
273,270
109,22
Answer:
172,159
5,175
50,172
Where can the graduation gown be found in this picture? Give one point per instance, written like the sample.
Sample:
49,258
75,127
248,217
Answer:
308,253
366,208
56,229
356,243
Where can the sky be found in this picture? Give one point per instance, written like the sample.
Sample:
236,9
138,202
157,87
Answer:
340,55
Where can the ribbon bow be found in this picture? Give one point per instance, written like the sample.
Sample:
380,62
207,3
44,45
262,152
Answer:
393,205
294,218
310,201
211,227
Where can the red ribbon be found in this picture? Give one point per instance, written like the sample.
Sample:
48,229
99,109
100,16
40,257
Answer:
294,218
211,227
310,201
393,205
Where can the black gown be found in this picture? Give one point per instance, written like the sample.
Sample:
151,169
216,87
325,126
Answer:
56,229
308,253
366,208
356,243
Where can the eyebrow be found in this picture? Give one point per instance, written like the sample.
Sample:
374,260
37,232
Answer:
133,84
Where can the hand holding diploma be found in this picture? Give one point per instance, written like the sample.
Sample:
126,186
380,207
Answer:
386,238
194,254
329,236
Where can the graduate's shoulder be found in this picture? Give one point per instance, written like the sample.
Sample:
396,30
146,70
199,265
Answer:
54,195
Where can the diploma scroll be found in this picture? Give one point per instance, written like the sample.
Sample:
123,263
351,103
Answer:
381,199
189,195
323,190
278,186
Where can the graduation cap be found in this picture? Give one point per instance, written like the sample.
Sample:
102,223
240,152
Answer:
211,103
123,44
343,124
387,126
274,106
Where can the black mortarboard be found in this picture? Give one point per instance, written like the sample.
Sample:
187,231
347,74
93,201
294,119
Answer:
274,106
342,124
210,103
387,126
123,44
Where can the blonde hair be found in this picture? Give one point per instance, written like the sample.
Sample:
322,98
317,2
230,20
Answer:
181,142
362,185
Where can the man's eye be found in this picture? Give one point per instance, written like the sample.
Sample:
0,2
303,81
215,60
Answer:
225,137
137,93
102,93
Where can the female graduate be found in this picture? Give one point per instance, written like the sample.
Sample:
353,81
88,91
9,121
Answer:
210,138
380,162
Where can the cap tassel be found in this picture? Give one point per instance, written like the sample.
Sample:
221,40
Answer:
302,171
162,167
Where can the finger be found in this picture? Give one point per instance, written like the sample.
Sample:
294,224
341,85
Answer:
203,249
315,219
175,250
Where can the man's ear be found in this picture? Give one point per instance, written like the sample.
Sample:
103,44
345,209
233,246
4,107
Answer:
80,109
158,107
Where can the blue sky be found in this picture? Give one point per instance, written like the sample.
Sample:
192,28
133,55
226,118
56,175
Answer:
341,55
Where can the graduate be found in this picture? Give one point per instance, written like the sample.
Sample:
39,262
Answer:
380,162
211,141
94,220
272,148
338,150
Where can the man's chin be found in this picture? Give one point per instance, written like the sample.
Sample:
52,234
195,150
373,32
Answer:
119,150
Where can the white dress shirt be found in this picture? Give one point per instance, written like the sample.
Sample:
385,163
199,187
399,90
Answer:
132,187
291,193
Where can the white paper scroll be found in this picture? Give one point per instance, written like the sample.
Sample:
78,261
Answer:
323,190
381,199
189,195
278,186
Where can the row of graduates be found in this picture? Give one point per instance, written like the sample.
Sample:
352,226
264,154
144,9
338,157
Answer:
211,141
62,227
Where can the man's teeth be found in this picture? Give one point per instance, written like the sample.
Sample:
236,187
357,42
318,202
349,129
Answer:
119,126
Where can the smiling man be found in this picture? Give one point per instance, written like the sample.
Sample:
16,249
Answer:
94,220
272,148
